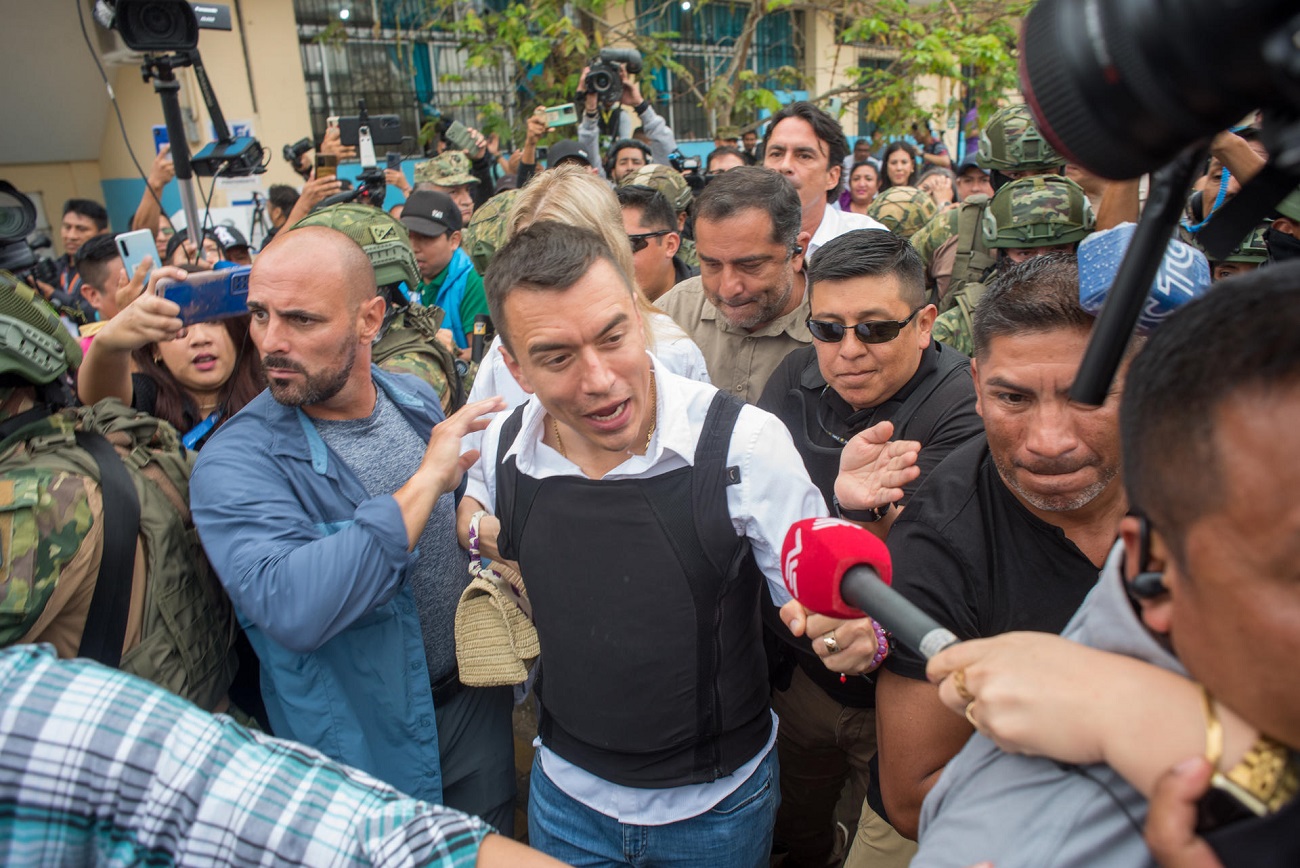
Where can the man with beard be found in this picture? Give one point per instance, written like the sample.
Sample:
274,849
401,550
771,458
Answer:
325,506
747,310
1010,531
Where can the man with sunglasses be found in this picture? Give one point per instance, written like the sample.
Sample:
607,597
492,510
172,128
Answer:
871,363
1010,531
651,226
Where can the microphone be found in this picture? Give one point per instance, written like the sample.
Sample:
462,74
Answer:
839,569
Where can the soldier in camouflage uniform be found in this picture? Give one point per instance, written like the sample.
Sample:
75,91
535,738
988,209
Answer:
408,341
1026,218
451,172
903,210
1250,254
670,182
1012,148
488,231
178,627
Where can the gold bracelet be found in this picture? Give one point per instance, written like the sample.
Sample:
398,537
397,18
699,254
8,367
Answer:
1265,780
1213,730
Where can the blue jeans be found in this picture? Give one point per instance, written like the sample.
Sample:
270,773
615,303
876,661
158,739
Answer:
736,833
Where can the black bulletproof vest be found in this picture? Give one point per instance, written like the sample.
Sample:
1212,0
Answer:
646,603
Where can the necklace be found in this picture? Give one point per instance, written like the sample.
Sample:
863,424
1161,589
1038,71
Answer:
654,421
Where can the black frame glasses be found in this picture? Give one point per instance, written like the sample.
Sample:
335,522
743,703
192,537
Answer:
875,332
642,239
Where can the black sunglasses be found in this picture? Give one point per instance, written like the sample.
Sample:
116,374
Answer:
880,332
642,239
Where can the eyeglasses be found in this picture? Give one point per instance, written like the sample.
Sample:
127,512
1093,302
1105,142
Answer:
642,239
879,332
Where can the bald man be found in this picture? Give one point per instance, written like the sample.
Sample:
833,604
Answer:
326,506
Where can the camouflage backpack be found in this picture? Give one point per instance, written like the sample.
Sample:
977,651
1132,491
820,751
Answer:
488,229
406,344
903,210
963,258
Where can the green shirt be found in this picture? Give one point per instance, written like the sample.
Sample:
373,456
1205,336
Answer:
472,303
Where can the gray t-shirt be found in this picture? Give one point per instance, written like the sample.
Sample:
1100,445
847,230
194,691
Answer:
384,452
1029,811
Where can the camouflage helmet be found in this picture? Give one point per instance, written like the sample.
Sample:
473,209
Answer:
33,342
488,229
903,210
1011,142
448,169
1041,211
665,179
383,238
1251,248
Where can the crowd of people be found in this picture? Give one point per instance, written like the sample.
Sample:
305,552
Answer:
678,370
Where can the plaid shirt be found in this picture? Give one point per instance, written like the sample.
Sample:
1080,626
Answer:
99,767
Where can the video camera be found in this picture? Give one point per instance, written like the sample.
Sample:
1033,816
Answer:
1121,87
17,253
605,78
688,168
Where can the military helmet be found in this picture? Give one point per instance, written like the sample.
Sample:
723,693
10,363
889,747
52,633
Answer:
1251,248
903,210
448,169
383,238
665,179
1011,142
33,342
488,229
1041,211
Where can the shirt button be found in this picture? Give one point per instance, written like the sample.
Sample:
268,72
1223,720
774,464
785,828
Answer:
426,721
415,667
738,389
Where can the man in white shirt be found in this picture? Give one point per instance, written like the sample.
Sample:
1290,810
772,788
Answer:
646,512
808,146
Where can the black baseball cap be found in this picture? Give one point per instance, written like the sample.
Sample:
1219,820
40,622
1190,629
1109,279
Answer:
431,213
567,149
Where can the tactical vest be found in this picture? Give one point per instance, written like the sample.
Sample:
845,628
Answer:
414,332
646,603
963,258
188,629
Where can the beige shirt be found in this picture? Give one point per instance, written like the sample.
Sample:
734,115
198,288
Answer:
739,362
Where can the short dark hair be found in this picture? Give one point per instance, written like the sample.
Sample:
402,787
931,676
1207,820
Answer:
93,259
548,256
870,253
1038,295
727,150
283,197
89,209
656,212
1240,338
753,187
622,145
825,128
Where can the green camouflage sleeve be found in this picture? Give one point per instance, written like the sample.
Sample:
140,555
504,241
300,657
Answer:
953,328
45,516
424,366
932,235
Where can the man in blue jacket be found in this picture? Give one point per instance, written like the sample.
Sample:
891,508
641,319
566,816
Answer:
321,506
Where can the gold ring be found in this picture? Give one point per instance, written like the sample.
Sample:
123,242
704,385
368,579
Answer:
829,641
970,717
959,681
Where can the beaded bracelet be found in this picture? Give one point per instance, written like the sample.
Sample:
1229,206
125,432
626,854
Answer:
882,645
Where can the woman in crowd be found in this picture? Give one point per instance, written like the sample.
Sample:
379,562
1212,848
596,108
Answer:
864,182
195,378
900,166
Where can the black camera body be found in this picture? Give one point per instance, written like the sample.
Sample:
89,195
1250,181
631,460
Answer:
293,153
605,78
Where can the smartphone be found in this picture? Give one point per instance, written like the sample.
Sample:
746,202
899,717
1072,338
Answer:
159,138
561,115
395,161
133,247
459,137
384,130
209,295
327,166
332,122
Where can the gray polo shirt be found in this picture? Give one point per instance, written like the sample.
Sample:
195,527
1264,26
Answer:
739,361
1029,811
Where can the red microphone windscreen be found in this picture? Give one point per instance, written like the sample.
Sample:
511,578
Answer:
817,553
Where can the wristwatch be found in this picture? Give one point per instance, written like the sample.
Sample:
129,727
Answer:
865,516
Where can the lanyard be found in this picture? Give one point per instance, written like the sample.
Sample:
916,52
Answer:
199,431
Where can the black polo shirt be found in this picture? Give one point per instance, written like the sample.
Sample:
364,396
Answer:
970,554
796,393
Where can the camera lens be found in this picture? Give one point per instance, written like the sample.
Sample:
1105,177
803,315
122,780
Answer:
599,81
157,25
17,214
1121,86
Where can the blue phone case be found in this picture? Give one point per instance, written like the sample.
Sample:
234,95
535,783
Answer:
210,295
